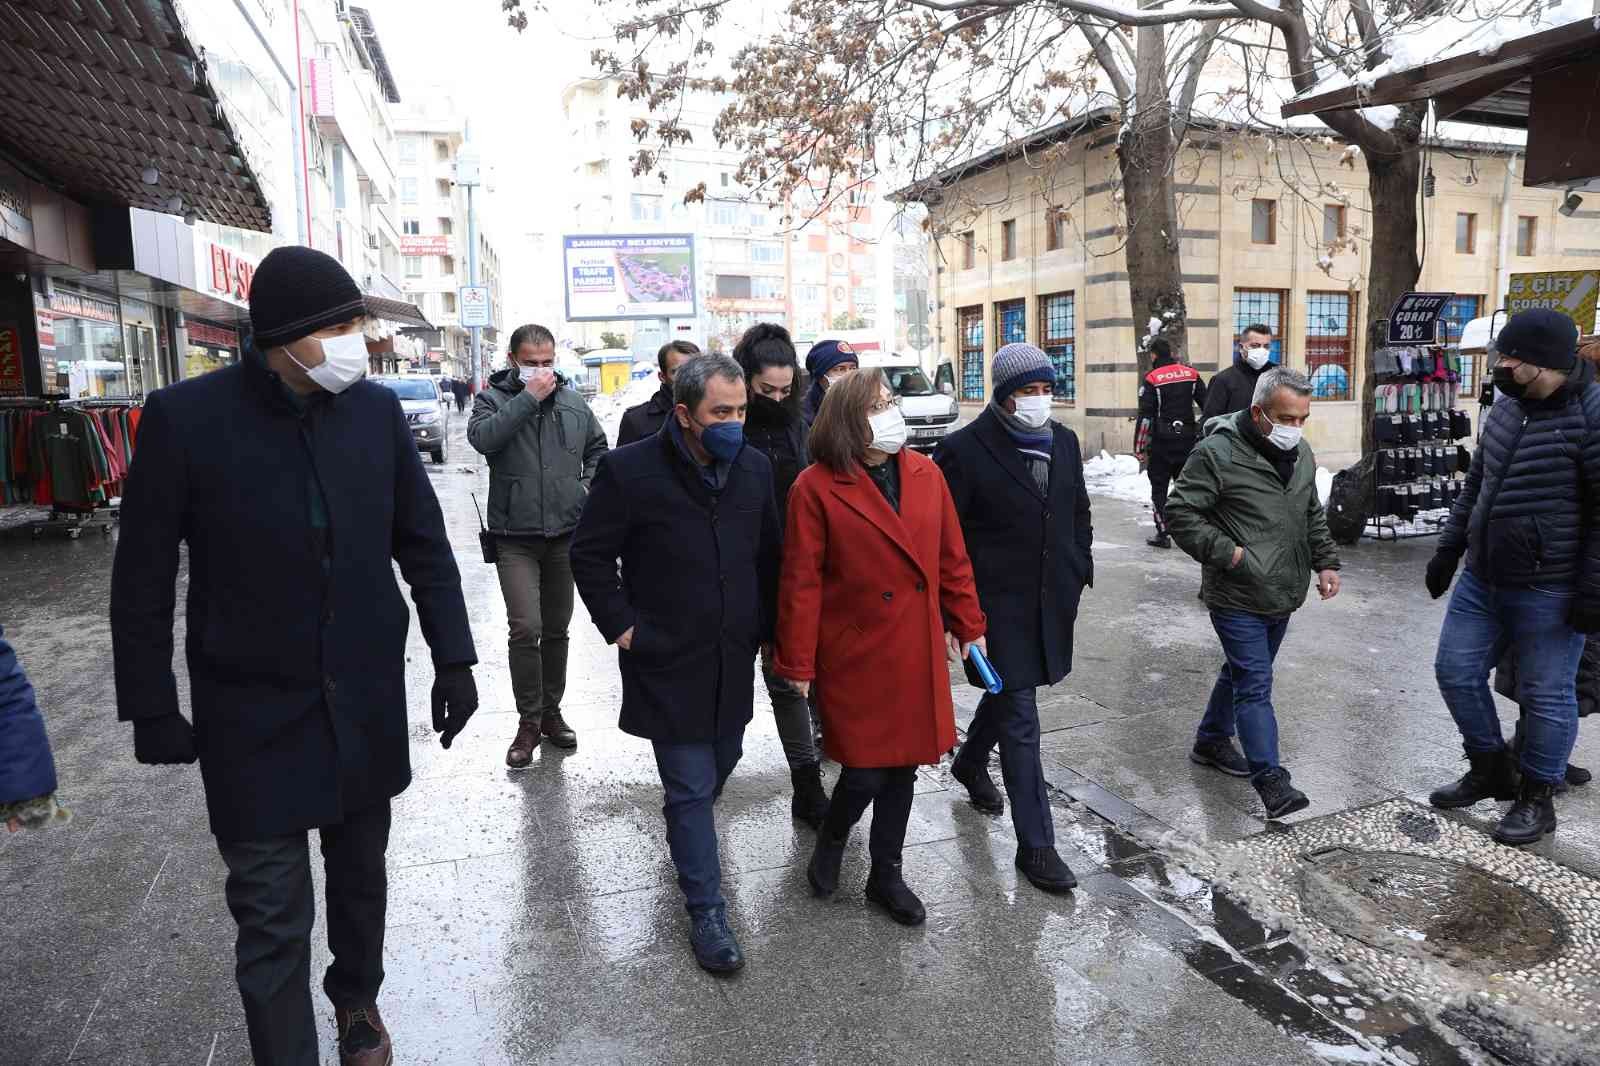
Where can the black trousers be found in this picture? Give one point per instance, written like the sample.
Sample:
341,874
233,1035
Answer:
270,896
1165,464
889,792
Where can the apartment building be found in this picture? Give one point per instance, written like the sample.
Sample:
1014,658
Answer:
1028,246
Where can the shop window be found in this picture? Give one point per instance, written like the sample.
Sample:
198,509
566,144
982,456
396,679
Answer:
88,361
1264,221
969,328
1058,322
1008,240
1330,343
1011,322
1466,233
1055,229
1527,234
1452,320
1260,307
969,250
1333,219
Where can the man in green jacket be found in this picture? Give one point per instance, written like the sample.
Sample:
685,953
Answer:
543,445
1246,508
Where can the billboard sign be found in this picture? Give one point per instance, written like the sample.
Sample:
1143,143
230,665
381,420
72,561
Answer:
630,276
1572,292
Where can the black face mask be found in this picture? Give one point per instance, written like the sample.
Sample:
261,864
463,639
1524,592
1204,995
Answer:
1505,380
766,409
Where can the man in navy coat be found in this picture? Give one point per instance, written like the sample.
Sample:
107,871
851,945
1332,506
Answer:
1017,481
676,558
295,486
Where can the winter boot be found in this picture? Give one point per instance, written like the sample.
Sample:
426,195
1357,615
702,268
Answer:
888,889
520,754
1044,870
826,858
1278,795
810,804
1577,775
1531,817
716,949
1160,540
363,1038
1493,776
980,787
1221,755
560,733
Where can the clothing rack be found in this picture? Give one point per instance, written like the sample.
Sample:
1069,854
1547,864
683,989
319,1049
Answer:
95,461
1417,427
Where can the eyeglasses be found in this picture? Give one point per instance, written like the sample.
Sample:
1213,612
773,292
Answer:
880,407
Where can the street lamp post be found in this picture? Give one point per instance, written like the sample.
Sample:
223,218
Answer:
469,177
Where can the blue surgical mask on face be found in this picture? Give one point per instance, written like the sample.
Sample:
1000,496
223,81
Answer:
722,440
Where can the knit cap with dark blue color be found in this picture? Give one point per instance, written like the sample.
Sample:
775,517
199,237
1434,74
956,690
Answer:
1019,364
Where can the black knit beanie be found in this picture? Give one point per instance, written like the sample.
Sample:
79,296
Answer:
297,291
1542,337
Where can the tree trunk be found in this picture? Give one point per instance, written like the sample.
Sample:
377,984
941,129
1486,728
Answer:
1392,181
1145,156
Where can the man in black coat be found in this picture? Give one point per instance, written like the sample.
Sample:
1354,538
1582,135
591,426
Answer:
1166,433
295,486
1233,389
1017,481
645,419
1526,522
676,557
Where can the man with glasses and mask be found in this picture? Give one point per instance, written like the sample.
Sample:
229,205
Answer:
676,558
1526,522
1232,389
543,444
1246,508
296,487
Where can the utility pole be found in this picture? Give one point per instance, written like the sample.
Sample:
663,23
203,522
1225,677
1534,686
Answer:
469,177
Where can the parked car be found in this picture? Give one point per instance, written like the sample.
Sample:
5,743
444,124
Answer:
930,414
427,412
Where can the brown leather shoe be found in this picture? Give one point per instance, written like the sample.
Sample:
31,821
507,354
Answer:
520,754
363,1039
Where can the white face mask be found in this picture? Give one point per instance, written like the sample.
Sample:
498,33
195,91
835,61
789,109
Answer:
1033,411
1285,437
344,361
888,430
1257,357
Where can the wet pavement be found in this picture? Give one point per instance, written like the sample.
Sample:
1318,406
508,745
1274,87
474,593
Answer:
534,915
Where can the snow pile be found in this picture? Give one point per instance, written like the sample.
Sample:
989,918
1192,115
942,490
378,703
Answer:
609,409
1119,477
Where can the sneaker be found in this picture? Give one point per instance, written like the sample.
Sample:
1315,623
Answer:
1221,755
888,889
363,1039
1278,795
520,754
1044,870
716,949
556,728
980,787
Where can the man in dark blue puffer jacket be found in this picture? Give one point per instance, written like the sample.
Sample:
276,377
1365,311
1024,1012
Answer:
1526,522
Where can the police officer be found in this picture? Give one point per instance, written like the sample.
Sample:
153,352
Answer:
1168,398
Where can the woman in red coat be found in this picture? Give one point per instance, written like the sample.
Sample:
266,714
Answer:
876,591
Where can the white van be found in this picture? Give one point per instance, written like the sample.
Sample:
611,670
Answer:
930,414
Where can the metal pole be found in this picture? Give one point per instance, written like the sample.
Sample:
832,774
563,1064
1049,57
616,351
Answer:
472,279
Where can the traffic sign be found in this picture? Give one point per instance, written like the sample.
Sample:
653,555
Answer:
919,336
476,309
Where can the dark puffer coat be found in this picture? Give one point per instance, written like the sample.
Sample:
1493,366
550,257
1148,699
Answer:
1520,518
779,433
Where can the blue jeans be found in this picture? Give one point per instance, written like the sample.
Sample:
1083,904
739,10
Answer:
1011,721
1241,700
692,776
1481,624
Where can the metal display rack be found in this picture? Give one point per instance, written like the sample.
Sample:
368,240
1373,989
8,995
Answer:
1417,475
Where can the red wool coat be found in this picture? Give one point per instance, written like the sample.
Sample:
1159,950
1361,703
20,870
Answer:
864,602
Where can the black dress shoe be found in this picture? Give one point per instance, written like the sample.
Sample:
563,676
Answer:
980,788
888,889
826,858
558,731
716,949
1531,817
1044,870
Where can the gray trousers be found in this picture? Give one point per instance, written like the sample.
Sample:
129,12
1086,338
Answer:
792,712
536,580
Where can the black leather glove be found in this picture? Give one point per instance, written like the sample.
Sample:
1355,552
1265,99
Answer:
455,697
164,740
1585,615
1441,571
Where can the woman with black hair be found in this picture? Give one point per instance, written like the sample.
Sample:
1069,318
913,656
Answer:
774,426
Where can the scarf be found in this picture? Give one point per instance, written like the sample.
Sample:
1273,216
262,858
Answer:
1034,445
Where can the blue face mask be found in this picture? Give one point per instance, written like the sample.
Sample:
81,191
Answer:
723,440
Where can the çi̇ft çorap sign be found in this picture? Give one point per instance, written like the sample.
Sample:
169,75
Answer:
629,276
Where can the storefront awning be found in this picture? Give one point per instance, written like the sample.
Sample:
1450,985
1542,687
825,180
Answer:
397,311
97,95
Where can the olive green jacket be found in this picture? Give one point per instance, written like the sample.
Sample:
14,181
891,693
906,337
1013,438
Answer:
1230,496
